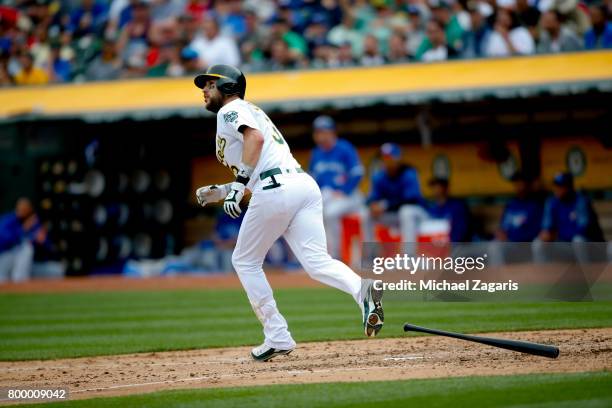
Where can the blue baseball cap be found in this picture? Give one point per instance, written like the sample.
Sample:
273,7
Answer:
324,122
188,53
391,149
563,179
414,10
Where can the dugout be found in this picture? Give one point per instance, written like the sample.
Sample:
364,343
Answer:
152,143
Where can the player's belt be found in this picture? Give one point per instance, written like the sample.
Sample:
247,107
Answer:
274,172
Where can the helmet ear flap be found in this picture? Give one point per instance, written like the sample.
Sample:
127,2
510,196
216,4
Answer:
230,88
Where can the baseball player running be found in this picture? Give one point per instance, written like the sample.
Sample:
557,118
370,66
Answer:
285,202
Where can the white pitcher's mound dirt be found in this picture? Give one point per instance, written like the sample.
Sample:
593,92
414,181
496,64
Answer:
359,360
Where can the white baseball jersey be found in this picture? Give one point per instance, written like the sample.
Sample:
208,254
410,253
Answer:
229,141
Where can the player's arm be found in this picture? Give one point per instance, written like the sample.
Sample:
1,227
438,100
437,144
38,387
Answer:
252,145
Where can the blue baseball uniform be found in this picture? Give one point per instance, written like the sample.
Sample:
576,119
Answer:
11,232
338,168
395,191
572,217
522,219
458,215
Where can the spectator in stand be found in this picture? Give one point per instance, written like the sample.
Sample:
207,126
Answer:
190,63
569,215
30,74
105,66
453,30
325,56
134,37
196,9
600,34
169,61
478,34
347,33
437,49
528,16
40,46
522,216
166,12
231,18
398,50
281,29
5,77
282,58
187,29
336,167
89,18
253,42
395,189
316,33
345,55
454,210
507,38
554,37
60,69
265,9
415,30
384,23
214,48
371,53
573,15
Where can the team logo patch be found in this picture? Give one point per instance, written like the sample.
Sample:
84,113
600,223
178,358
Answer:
230,116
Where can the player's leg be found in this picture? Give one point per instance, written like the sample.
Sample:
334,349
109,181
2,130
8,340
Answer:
411,217
7,260
306,237
263,223
22,268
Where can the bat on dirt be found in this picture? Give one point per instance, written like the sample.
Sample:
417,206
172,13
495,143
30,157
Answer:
514,345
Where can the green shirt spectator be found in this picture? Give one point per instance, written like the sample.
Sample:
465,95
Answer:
454,35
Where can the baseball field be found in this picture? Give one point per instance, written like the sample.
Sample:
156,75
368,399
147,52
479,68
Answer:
185,342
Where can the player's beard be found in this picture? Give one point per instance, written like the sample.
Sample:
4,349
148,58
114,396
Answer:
214,103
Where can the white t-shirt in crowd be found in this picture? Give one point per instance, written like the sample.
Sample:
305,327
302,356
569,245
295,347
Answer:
519,37
219,50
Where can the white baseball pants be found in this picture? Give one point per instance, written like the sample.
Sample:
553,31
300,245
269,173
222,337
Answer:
294,211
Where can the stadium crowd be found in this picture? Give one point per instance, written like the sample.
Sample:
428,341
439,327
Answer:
54,41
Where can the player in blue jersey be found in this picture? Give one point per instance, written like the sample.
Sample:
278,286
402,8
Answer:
452,209
569,215
522,216
395,189
336,167
395,185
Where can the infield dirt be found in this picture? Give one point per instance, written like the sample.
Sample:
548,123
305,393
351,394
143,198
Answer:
358,360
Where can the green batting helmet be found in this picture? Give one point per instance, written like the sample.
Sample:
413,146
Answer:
230,80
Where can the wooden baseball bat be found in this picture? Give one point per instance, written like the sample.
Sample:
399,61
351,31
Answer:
514,345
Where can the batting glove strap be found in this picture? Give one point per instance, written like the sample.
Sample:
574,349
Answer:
231,205
244,173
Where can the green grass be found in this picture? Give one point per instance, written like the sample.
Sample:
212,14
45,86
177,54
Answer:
46,326
538,390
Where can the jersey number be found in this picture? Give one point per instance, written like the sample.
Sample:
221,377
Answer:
221,142
276,135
